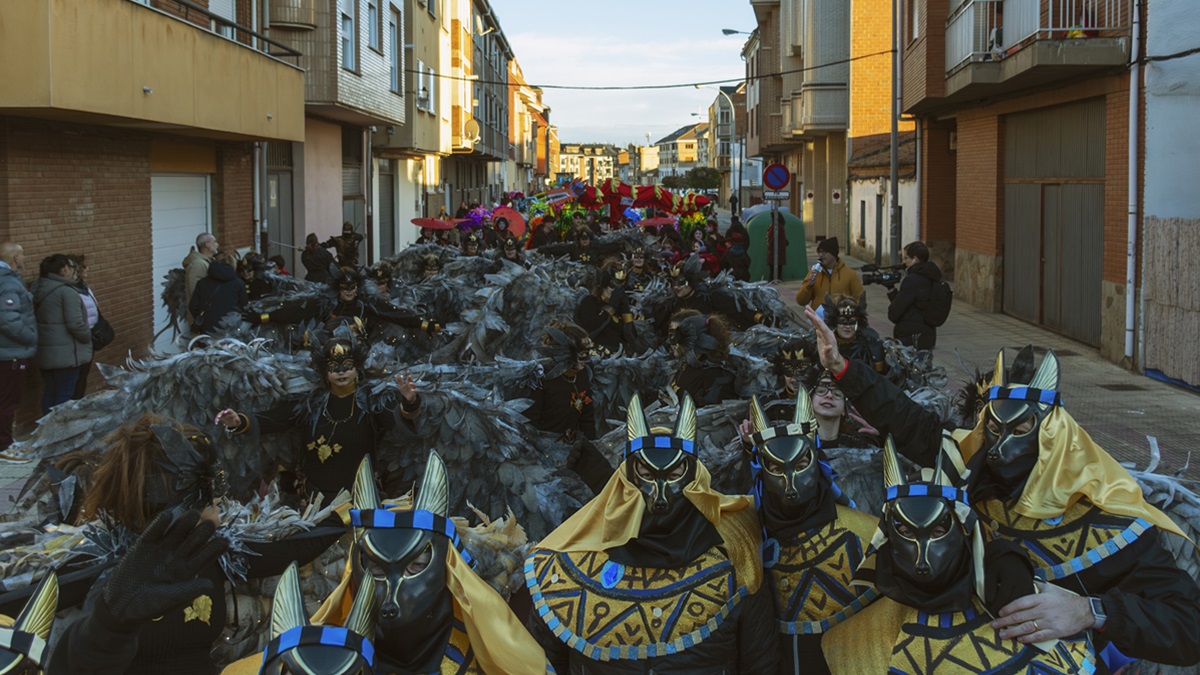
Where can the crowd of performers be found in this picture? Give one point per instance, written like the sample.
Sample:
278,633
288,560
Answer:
668,472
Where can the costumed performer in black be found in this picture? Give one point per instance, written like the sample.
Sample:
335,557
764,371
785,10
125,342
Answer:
562,398
639,274
606,315
1039,479
510,250
610,584
348,304
346,246
856,339
691,291
814,537
701,344
164,604
941,588
339,422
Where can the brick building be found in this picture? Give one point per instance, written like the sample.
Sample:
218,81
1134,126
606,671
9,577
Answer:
128,128
1023,130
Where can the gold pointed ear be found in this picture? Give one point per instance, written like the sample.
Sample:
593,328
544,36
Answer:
434,493
758,418
999,377
804,412
1046,376
892,475
38,615
362,612
635,420
685,425
364,495
287,611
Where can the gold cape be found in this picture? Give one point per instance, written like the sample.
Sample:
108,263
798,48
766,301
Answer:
1070,465
615,516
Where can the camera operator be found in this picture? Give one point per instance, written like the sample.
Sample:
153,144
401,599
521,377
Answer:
907,303
829,276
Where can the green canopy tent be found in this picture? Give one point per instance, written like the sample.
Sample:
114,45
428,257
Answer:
796,265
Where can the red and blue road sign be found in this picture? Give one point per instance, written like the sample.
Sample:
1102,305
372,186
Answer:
777,177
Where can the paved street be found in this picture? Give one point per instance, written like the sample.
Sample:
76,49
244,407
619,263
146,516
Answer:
1117,407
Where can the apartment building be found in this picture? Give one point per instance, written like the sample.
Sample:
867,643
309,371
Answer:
593,163
128,128
818,89
679,151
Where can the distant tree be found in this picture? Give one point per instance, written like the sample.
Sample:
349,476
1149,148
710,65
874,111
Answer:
704,178
674,182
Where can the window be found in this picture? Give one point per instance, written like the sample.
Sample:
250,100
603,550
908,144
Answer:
373,24
433,8
349,35
430,86
394,51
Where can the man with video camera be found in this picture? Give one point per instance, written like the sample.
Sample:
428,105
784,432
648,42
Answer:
908,304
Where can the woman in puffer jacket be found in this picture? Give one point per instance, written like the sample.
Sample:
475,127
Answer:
64,340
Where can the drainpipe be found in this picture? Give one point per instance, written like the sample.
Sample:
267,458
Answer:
918,140
259,226
1135,72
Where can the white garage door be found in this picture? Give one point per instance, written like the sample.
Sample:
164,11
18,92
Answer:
180,210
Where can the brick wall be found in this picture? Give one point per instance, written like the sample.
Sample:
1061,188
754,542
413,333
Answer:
979,204
69,188
233,188
871,78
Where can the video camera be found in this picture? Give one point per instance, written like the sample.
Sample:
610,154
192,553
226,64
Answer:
884,276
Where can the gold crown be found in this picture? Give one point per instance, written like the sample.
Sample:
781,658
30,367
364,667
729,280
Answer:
620,275
792,355
339,350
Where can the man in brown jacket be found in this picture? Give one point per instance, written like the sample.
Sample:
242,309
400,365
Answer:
829,276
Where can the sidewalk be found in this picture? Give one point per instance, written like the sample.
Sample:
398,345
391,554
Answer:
1118,408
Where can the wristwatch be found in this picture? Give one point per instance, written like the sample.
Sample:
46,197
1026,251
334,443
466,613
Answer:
1098,613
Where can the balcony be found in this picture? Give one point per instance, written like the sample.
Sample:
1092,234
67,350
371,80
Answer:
817,110
996,46
166,65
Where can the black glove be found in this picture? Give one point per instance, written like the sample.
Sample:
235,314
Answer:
891,293
1008,572
158,574
619,301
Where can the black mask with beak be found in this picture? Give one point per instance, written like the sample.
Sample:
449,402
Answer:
297,648
403,555
796,494
662,464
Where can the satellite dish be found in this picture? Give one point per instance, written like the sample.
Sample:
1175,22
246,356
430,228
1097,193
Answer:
471,129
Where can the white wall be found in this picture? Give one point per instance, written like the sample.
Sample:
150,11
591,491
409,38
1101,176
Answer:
322,179
1172,105
866,190
408,195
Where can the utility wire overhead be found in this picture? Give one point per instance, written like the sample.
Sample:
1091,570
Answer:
644,87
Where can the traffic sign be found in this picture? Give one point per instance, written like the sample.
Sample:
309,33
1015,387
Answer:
776,194
776,177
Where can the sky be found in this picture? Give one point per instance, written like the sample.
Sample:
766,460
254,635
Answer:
624,43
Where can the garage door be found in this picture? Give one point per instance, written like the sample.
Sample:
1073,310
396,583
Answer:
180,209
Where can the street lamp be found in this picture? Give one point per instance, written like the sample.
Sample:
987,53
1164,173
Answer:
730,31
732,125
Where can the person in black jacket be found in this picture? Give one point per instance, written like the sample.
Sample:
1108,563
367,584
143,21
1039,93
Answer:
737,260
562,399
701,343
316,260
218,294
659,573
1030,465
905,311
249,269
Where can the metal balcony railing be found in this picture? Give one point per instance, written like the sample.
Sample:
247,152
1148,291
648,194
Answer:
203,19
989,30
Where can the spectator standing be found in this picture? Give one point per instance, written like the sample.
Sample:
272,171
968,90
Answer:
64,339
91,309
829,276
316,260
195,265
18,336
218,294
907,306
